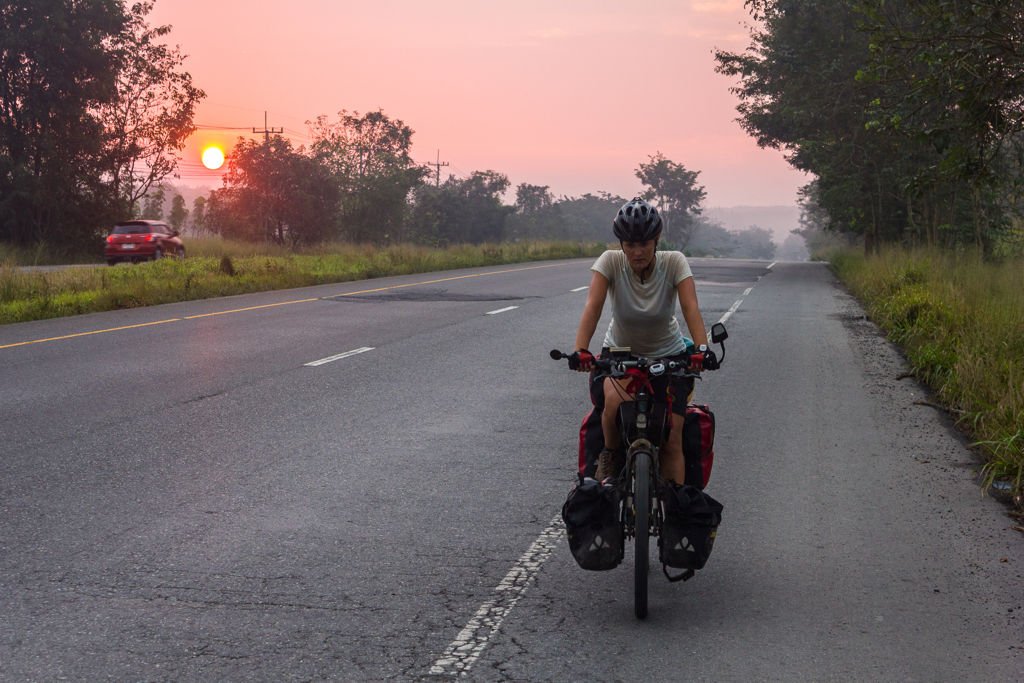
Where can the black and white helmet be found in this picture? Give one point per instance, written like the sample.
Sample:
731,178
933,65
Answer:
637,221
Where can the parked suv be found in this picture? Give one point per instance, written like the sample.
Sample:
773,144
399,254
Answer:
141,241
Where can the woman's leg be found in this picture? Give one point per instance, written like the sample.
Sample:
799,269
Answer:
611,460
614,394
672,460
673,465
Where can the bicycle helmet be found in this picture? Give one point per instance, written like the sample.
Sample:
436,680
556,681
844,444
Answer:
637,221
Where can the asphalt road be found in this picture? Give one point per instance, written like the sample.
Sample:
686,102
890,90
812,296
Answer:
184,497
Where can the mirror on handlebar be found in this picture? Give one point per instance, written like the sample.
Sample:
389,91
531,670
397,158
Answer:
718,333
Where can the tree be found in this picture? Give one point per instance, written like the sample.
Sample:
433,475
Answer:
275,193
178,212
951,77
147,123
55,71
199,214
369,159
532,198
153,208
461,210
799,92
677,194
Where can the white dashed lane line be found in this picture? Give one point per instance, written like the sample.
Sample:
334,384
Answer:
580,289
502,310
331,359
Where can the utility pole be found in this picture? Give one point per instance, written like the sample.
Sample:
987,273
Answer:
438,164
267,131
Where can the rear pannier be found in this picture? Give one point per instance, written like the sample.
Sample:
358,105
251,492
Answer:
593,525
691,524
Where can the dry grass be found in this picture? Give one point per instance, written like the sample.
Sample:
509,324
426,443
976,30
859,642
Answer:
220,268
960,321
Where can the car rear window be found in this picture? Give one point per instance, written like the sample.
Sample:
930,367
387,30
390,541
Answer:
134,229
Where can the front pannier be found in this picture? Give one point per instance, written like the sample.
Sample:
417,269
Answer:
592,523
698,444
691,523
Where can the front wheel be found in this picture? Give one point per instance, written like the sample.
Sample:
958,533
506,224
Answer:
641,542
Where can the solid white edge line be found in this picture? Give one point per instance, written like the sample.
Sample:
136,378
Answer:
331,359
502,310
735,307
580,289
463,652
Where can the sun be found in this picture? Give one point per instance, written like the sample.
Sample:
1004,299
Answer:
213,158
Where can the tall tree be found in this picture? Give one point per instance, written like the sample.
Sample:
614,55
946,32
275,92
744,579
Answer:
532,198
147,124
199,214
952,78
275,193
677,194
466,210
369,158
153,206
799,92
179,213
56,69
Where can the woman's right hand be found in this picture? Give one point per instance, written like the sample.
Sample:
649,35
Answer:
581,361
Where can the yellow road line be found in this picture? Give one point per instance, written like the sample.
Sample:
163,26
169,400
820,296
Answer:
251,308
85,334
281,303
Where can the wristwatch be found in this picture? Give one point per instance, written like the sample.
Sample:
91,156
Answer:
702,348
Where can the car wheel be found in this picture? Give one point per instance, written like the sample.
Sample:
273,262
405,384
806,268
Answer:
158,254
111,261
180,253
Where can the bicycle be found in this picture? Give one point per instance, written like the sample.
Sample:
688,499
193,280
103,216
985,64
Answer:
643,424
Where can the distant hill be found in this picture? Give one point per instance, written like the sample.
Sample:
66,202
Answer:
777,219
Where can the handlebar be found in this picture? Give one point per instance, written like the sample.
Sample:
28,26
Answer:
655,367
619,365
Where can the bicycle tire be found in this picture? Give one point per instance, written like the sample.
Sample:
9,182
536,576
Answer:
641,542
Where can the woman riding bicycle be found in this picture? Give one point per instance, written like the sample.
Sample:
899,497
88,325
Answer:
644,284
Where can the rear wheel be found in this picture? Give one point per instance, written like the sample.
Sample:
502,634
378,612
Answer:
158,254
180,252
641,544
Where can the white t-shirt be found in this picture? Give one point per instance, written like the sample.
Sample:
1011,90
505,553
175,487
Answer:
643,314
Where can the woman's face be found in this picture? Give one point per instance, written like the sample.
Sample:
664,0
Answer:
639,254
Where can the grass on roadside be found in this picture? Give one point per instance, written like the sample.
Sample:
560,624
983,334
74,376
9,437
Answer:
960,321
218,268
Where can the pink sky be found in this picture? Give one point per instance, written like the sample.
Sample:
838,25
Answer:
573,94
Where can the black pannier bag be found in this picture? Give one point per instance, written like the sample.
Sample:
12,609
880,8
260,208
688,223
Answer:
691,523
592,523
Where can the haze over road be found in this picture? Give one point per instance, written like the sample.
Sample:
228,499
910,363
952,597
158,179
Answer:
361,482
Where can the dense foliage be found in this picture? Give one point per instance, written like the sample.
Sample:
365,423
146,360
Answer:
909,114
92,112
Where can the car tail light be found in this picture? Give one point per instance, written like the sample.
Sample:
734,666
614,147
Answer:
110,239
151,237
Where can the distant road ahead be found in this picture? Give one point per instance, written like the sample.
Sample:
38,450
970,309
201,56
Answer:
362,482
